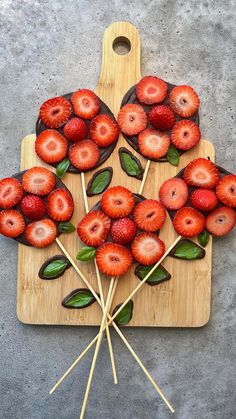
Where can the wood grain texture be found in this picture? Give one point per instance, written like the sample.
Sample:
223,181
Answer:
184,301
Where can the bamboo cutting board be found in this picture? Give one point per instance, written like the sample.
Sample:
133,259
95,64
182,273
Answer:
184,301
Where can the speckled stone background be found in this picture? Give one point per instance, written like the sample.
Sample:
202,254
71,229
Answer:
51,47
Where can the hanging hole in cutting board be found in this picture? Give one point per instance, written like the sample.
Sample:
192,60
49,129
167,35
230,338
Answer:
121,45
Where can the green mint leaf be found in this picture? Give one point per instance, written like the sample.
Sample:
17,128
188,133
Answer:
188,250
99,181
78,298
173,156
203,238
86,253
54,269
62,167
66,227
159,275
125,315
130,164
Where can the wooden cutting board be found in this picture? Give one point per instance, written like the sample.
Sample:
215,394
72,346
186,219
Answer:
184,301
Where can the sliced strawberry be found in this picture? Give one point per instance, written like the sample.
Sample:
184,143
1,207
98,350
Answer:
123,230
204,199
38,181
12,223
85,103
153,144
41,233
221,221
33,207
151,89
226,190
173,193
185,134
11,192
117,202
184,101
84,155
113,259
55,112
149,215
202,173
75,130
93,228
147,248
162,117
104,130
132,119
51,146
189,222
60,205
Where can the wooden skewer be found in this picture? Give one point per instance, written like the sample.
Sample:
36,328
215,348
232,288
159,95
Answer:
144,177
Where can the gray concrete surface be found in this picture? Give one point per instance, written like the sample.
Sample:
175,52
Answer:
51,47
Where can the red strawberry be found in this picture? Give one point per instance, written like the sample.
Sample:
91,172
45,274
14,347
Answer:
117,202
162,117
132,119
12,223
153,144
173,193
123,231
93,228
149,215
221,221
84,155
55,112
60,205
185,134
204,199
103,130
85,103
51,146
33,207
41,233
189,222
202,173
75,130
11,192
113,259
147,248
184,101
38,181
151,89
226,190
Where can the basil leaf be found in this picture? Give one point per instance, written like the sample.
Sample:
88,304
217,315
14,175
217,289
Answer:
130,164
78,298
99,181
186,249
159,275
86,253
173,156
203,238
54,269
62,167
125,315
66,227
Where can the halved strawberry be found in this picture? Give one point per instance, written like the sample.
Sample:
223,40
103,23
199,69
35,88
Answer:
33,207
185,134
202,173
41,233
75,130
221,221
12,223
11,192
162,117
60,205
226,190
132,119
103,130
51,146
151,89
117,202
149,215
113,259
123,230
55,112
153,144
189,222
184,101
204,199
84,155
85,103
93,228
173,193
147,248
38,181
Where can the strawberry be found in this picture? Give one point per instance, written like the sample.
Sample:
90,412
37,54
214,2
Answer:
226,190
41,233
33,207
60,205
51,146
93,228
151,89
147,248
85,103
162,117
153,144
204,199
113,259
188,222
185,134
202,173
132,119
117,202
11,192
149,215
75,130
184,101
221,221
12,223
173,193
55,112
104,130
123,231
84,155
38,181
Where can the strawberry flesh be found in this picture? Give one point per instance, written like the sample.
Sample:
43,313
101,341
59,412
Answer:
93,228
153,144
226,190
12,223
60,205
149,215
85,103
41,233
51,146
185,134
11,192
38,181
132,119
55,112
189,222
221,221
117,202
84,155
147,248
151,89
184,101
173,194
104,130
202,173
113,259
